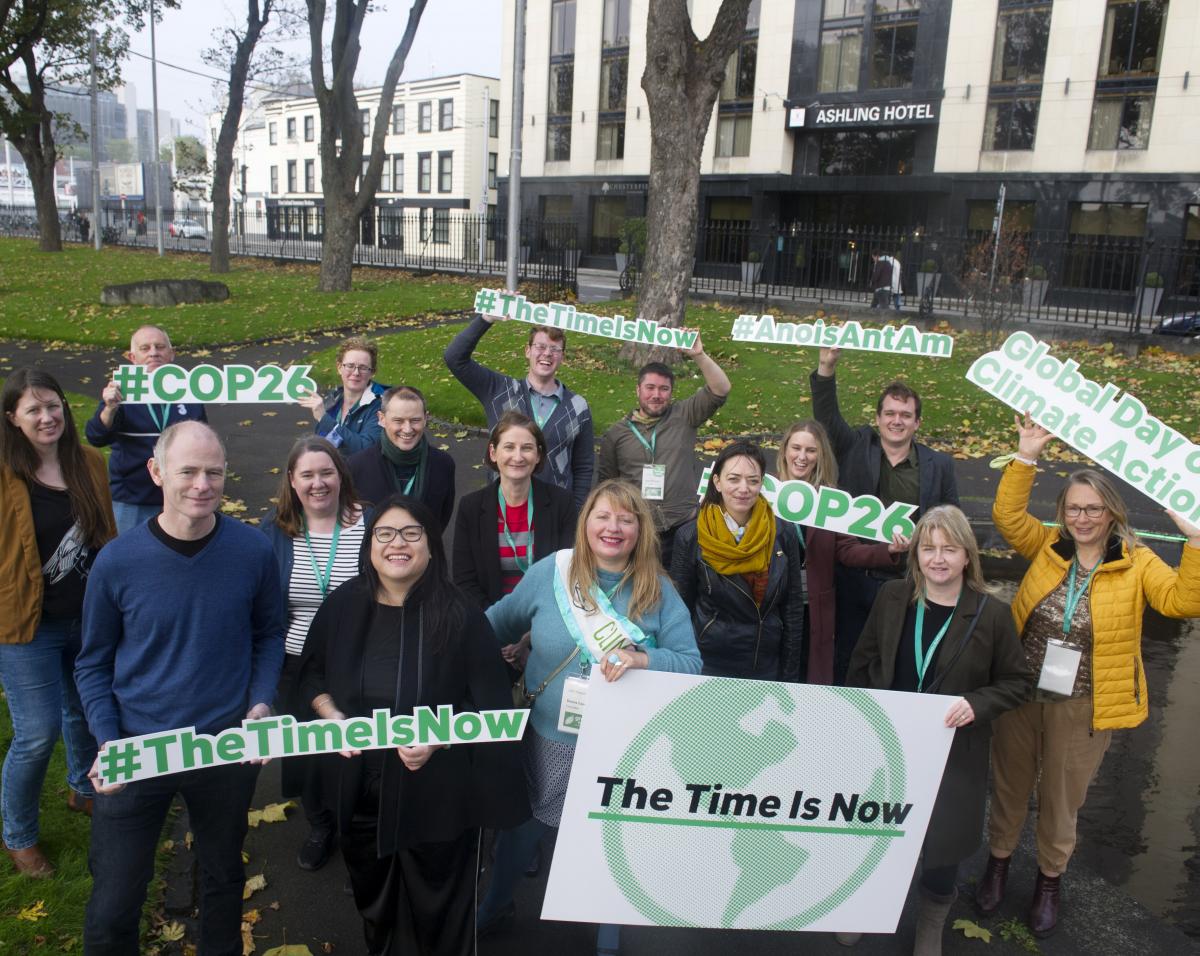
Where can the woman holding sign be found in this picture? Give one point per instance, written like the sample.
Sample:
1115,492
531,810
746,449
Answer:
317,533
396,636
610,585
939,630
1079,612
806,455
55,514
739,570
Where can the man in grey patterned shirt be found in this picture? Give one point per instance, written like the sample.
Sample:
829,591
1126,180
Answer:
563,416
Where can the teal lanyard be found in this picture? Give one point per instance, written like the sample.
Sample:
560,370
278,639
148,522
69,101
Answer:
1073,594
649,445
508,535
551,400
156,411
323,580
408,487
925,658
342,414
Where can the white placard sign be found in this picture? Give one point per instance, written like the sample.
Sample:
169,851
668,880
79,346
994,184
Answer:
905,340
1111,427
864,516
740,804
233,384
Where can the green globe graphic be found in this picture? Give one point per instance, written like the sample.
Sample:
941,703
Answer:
751,737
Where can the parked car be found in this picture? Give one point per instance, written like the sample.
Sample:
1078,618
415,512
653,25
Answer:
187,229
1187,325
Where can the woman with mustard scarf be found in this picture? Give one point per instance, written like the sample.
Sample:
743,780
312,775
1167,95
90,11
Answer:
739,572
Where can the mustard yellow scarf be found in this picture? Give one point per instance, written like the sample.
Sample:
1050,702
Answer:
726,556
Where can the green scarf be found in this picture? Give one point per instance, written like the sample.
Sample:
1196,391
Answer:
404,462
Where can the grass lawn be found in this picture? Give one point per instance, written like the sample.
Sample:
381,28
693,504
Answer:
56,297
771,387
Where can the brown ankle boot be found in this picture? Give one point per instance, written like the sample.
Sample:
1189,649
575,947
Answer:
1043,911
989,894
32,862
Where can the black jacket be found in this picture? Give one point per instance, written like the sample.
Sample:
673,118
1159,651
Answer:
858,452
736,637
373,483
476,558
465,786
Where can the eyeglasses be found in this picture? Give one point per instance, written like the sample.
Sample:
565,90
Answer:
547,349
351,367
1092,511
410,533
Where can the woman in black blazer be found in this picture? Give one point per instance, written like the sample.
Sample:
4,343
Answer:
492,531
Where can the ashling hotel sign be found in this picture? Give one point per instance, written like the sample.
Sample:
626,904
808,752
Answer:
845,115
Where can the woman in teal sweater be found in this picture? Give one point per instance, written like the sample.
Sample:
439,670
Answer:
569,602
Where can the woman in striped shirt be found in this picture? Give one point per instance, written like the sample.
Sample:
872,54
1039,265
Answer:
317,533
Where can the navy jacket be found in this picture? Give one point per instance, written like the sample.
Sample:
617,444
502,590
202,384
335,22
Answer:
360,429
373,480
132,438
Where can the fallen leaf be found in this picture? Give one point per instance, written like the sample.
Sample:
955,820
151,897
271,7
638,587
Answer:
277,812
33,912
462,434
972,930
253,885
248,421
188,839
251,917
269,414
291,949
443,447
172,932
167,846
272,471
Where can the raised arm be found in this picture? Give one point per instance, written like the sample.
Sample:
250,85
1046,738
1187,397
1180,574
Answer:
714,376
478,379
823,386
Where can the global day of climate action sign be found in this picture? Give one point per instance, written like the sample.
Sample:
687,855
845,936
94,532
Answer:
707,801
905,340
1111,427
231,384
510,305
170,751
864,516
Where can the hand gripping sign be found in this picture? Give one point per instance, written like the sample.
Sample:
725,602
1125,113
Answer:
905,340
1112,428
234,384
864,516
171,751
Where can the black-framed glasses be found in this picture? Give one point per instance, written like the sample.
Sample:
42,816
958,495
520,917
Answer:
1092,511
411,533
352,367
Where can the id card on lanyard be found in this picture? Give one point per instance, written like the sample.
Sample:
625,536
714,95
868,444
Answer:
654,476
574,701
1061,663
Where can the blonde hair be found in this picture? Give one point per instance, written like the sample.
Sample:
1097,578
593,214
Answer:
1104,487
953,524
644,568
825,474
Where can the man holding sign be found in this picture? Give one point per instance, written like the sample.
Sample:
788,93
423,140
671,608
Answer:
652,446
183,626
133,429
884,461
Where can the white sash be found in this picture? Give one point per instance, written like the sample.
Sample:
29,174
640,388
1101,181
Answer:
601,629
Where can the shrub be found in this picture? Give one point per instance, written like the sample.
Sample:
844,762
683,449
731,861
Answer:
929,265
1153,280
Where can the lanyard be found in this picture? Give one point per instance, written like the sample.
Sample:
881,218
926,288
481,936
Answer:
649,445
155,411
408,487
551,400
323,580
925,658
1073,594
508,535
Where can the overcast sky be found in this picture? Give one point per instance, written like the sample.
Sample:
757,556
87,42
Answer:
455,36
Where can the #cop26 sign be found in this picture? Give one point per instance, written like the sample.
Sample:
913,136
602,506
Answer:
739,804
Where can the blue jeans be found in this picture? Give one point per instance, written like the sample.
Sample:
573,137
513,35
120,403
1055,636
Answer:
39,680
130,516
126,826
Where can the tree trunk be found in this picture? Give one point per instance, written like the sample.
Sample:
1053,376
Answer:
337,248
681,81
41,178
35,143
218,256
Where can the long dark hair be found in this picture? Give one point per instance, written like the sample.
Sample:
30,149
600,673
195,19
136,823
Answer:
440,599
18,454
289,513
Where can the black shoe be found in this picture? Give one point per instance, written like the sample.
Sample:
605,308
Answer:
315,852
498,921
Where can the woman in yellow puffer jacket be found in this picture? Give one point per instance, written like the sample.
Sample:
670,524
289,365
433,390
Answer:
1079,613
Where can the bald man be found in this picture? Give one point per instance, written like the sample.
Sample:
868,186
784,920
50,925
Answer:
132,430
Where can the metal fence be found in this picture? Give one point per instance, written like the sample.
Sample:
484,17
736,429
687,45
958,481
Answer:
1120,283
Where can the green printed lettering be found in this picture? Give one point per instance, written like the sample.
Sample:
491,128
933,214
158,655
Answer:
907,341
402,731
864,526
319,736
831,503
1113,456
231,745
434,726
359,733
197,379
766,329
238,378
645,331
467,727
936,343
159,380
606,327
851,336
786,504
505,724
541,315
686,338
270,392
261,730
197,750
299,383
158,745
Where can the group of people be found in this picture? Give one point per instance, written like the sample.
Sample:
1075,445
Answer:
134,606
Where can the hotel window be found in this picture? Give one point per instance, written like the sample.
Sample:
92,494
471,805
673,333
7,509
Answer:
291,129
291,176
424,172
735,105
425,116
981,213
492,161
1018,62
1121,121
398,119
1011,122
274,180
1127,78
1105,249
562,80
445,114
272,134
398,173
893,43
309,127
445,172
310,176
880,153
614,81
493,119
840,59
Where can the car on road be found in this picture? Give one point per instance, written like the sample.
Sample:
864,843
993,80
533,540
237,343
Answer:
187,229
1187,325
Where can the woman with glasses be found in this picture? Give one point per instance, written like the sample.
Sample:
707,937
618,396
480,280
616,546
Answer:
610,580
397,636
317,533
349,415
1079,612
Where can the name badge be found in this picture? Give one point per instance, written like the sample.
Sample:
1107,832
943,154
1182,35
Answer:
574,699
1059,668
335,436
654,482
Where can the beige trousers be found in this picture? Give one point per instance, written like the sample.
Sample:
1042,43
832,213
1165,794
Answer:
1050,746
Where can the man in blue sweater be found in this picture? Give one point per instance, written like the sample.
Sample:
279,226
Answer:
183,625
563,416
132,430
